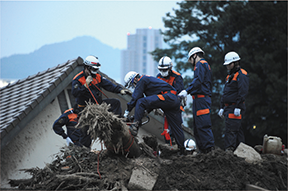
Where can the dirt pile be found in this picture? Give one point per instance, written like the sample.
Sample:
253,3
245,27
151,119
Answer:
76,168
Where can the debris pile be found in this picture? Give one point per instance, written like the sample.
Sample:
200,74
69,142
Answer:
77,168
106,127
150,166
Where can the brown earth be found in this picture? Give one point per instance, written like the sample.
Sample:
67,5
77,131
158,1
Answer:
76,168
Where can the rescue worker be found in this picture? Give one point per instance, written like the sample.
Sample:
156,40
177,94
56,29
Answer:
152,93
233,101
87,85
174,79
73,135
201,89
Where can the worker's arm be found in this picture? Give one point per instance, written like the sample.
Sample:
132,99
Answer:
178,84
109,86
243,86
58,124
78,89
199,75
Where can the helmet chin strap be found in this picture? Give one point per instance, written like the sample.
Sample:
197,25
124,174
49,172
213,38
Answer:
194,59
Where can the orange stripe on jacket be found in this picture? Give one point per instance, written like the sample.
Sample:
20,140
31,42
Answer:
161,97
169,80
232,116
202,112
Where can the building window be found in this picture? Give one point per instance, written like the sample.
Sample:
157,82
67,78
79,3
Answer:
144,64
144,45
144,57
144,38
144,51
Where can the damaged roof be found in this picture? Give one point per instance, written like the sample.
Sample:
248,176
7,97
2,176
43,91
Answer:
24,99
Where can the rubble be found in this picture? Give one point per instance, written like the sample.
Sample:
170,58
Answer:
155,167
217,170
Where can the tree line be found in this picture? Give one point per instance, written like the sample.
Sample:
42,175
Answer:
257,31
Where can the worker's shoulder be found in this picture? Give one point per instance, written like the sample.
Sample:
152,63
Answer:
243,71
202,61
176,73
67,112
79,75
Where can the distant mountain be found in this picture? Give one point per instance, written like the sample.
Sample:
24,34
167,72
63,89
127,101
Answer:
20,66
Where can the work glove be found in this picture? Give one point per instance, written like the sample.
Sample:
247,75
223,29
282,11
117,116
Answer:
166,134
182,94
125,91
89,79
69,141
220,113
237,112
126,113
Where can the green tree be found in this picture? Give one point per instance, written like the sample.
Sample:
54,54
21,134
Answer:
257,31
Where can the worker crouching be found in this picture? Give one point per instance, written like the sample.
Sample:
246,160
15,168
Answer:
152,93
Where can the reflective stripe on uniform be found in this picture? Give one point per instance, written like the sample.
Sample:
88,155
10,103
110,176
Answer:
198,96
232,116
202,112
161,97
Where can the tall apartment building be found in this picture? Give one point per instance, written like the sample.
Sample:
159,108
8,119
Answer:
136,57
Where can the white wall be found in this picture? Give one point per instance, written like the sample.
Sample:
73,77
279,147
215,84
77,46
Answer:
33,146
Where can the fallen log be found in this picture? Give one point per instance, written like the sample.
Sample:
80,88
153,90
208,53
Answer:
109,128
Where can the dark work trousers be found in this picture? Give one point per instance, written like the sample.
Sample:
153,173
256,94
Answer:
234,134
85,139
202,122
171,107
79,136
115,106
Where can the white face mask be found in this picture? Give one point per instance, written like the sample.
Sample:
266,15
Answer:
164,74
94,70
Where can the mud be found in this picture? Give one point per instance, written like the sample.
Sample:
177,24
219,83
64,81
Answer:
76,168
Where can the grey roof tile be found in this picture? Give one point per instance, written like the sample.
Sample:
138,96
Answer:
18,99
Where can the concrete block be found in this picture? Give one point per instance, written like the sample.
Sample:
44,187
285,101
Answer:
142,179
247,152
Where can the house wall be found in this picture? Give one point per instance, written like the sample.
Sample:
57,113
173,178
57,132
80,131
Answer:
34,146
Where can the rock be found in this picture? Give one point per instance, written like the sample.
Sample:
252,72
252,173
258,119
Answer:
247,152
142,179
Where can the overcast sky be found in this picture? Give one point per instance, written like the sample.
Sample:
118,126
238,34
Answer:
28,25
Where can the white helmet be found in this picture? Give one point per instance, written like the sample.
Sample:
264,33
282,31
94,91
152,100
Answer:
194,51
231,57
190,145
164,65
93,63
129,78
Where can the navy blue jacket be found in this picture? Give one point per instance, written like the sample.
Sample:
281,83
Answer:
202,82
82,94
70,119
174,79
235,89
148,85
